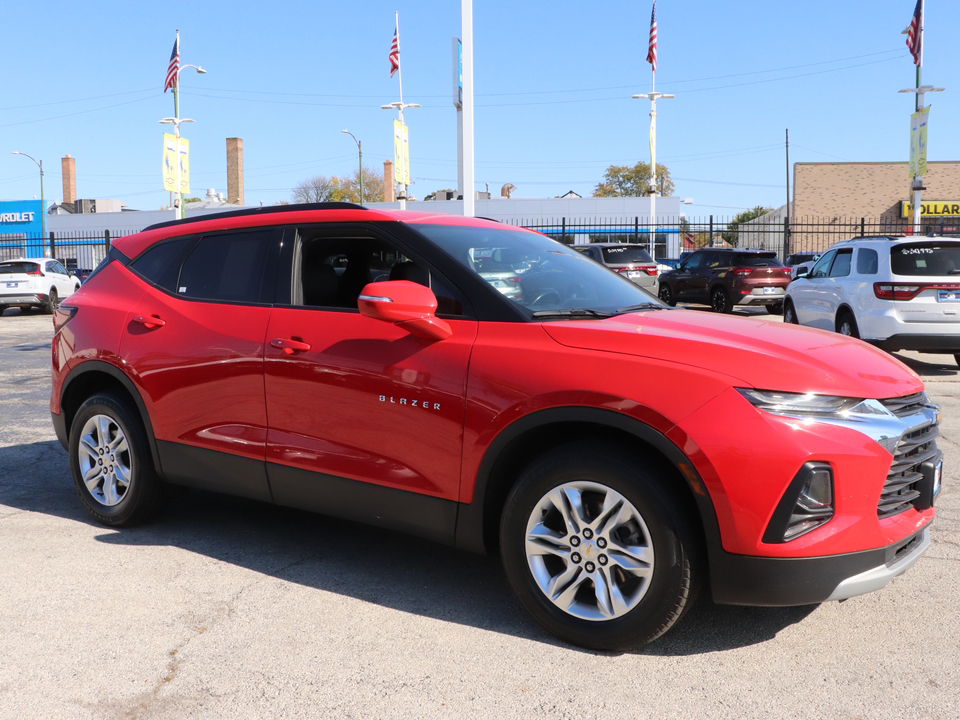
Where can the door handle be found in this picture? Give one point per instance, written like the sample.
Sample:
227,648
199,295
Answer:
150,322
289,345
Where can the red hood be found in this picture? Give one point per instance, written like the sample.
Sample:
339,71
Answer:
758,353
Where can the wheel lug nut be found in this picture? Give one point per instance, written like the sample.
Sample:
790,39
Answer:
590,567
602,559
588,534
576,558
601,542
575,541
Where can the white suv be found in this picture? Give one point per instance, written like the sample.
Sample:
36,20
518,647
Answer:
898,293
39,282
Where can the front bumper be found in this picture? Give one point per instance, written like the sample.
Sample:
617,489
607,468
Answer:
780,582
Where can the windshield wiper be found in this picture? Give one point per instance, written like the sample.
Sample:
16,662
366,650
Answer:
573,312
641,306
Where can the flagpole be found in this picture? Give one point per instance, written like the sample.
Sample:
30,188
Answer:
652,96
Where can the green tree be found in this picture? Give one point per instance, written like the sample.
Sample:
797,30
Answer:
731,236
321,188
625,181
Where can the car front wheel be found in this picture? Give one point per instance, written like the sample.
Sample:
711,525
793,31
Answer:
790,314
111,463
600,551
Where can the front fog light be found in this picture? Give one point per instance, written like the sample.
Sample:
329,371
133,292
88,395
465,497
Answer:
806,505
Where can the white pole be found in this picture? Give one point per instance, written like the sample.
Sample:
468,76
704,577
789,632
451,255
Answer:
469,199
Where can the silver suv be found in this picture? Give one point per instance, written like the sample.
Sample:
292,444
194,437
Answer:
628,259
898,293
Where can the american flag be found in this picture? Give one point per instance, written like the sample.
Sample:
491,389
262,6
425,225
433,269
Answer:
173,71
652,52
913,33
394,55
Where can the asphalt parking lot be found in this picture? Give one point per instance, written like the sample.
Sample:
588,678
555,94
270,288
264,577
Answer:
230,608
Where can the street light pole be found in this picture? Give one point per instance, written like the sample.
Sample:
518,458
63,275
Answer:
360,150
403,155
43,204
178,210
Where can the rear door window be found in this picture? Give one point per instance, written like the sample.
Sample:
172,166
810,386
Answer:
926,258
867,261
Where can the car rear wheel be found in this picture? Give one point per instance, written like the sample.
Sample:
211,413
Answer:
52,303
847,324
598,549
720,301
667,295
775,308
111,463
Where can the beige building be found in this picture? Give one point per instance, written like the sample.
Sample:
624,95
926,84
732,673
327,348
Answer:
873,191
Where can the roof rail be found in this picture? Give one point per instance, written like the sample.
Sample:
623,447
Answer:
258,211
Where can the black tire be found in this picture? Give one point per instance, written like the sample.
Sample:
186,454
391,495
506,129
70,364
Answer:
109,445
652,524
775,308
790,313
847,324
956,357
720,300
666,294
52,303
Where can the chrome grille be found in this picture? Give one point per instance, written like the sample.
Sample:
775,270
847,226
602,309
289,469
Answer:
914,448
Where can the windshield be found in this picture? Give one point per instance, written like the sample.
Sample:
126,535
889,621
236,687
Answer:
926,258
543,278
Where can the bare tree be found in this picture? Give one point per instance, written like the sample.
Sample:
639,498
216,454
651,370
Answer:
317,189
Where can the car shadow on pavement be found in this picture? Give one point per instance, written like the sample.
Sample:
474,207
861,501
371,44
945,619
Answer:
932,366
379,566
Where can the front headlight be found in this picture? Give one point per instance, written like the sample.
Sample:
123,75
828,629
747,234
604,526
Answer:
867,416
810,404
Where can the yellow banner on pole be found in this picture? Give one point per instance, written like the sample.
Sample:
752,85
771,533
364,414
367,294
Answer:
401,153
918,142
170,151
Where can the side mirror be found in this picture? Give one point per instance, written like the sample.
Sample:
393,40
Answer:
407,305
803,271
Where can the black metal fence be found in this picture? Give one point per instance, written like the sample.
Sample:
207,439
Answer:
676,235
75,250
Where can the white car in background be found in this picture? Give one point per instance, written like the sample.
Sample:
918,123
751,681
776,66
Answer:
35,282
898,293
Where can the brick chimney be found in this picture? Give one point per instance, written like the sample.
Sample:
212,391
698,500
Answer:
235,171
389,185
69,166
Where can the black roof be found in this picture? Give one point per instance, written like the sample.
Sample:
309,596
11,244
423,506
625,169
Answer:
269,209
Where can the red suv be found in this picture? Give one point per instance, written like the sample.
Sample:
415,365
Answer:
726,277
357,363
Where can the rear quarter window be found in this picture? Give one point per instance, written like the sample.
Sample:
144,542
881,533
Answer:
228,267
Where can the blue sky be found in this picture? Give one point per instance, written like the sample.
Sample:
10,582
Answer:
553,92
